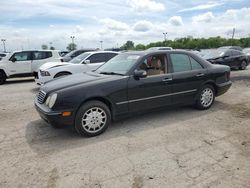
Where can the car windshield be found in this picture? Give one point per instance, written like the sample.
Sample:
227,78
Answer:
213,54
78,59
120,64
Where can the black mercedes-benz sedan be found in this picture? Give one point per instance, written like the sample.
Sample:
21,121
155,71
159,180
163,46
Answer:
230,57
129,83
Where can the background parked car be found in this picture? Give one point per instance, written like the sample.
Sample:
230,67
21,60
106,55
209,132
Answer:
75,53
25,63
229,57
230,47
63,53
85,62
247,51
131,83
160,48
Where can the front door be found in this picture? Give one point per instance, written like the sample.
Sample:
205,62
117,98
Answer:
154,90
20,63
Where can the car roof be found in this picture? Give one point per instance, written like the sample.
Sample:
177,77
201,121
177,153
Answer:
148,52
98,52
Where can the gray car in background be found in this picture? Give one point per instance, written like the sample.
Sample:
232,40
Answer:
75,53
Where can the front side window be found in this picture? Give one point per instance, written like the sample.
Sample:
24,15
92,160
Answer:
21,56
180,62
154,65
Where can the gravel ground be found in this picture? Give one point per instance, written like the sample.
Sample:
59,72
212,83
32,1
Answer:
182,147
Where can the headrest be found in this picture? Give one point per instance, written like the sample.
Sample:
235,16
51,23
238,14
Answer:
156,63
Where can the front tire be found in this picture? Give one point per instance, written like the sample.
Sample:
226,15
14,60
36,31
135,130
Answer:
206,97
2,77
243,65
92,119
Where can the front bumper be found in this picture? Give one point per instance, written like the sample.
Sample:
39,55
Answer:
223,88
40,80
52,117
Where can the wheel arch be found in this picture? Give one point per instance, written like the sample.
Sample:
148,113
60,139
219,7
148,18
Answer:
68,72
212,83
101,99
2,70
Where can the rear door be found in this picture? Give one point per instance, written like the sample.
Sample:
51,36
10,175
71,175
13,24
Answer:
20,63
39,58
188,76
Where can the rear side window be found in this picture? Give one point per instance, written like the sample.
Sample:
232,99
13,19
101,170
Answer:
195,65
180,62
41,55
21,56
97,58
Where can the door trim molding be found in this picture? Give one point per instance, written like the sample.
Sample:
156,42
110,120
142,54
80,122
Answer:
157,96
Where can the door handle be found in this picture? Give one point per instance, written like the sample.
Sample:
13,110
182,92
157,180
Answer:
199,75
167,79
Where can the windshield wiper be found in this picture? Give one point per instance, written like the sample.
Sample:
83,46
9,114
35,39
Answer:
112,73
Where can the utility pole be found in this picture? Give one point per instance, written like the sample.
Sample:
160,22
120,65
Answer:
101,44
72,38
4,48
165,36
233,36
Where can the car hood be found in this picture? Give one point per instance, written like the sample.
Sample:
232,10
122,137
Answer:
53,64
73,80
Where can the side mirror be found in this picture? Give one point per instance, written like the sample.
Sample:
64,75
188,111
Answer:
86,61
140,74
13,59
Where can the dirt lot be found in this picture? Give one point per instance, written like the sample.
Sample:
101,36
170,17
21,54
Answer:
173,148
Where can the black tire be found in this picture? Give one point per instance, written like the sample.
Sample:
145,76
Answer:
243,65
2,77
94,120
62,74
200,104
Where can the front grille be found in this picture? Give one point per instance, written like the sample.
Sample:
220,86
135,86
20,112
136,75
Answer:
41,97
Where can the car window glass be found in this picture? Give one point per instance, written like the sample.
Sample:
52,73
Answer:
195,65
180,62
110,56
228,53
21,56
41,55
154,65
97,58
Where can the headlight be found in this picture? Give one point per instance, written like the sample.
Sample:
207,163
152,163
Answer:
50,101
44,73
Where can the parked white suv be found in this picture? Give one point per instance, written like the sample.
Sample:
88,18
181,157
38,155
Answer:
25,63
83,63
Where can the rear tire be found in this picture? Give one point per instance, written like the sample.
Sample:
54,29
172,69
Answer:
60,74
92,118
2,77
205,98
243,65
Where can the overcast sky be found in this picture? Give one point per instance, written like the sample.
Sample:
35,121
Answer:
30,23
